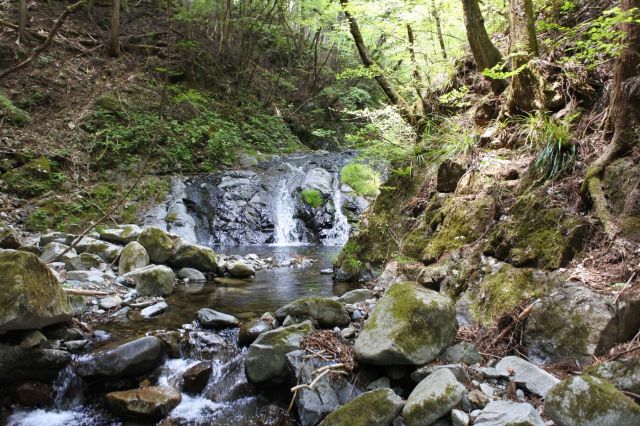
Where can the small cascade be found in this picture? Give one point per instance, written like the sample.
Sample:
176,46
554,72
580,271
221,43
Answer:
285,230
339,233
67,389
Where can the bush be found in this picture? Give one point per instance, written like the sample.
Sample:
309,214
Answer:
362,178
313,198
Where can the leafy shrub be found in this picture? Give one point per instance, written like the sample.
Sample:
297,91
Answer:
269,134
312,197
443,140
362,178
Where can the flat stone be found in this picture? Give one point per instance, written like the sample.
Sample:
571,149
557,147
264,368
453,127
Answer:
464,352
153,402
52,250
83,262
154,310
373,408
195,378
534,379
213,319
357,296
110,302
500,413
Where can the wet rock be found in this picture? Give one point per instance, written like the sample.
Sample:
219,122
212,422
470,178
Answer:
390,335
189,255
52,250
449,174
17,363
158,243
327,312
576,322
464,352
107,251
500,413
589,401
130,359
266,357
63,333
76,346
213,319
154,310
625,375
534,379
110,302
133,256
30,295
33,339
152,403
92,276
9,238
83,262
153,280
33,394
123,234
328,271
458,370
381,383
374,408
391,275
195,378
318,179
240,270
357,296
328,393
249,331
191,274
434,397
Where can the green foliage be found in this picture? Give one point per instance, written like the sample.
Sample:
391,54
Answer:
359,72
455,97
348,258
312,197
34,178
444,140
362,178
554,159
501,71
11,113
269,134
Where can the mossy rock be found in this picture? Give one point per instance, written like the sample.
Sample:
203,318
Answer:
410,325
377,407
501,291
158,244
624,374
33,179
132,257
537,235
30,295
620,185
189,255
589,401
153,280
11,114
327,312
434,397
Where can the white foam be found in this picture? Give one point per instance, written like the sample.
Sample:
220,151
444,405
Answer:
41,417
172,371
194,409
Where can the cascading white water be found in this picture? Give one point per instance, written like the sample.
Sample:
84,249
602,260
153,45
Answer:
285,231
339,233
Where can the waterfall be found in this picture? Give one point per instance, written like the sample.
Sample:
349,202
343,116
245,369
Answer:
339,233
285,230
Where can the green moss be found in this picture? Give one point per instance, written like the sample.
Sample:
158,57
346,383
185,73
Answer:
33,179
363,410
11,114
348,257
362,178
500,292
312,197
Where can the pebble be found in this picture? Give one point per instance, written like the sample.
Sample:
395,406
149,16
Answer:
459,418
101,335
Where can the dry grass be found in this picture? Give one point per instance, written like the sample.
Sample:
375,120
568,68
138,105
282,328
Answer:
327,345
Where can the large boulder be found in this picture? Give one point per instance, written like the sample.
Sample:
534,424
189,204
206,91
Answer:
9,238
589,401
250,330
328,393
410,325
54,250
131,359
123,234
83,262
266,357
153,280
191,274
189,255
158,244
107,251
151,403
434,397
357,296
17,363
576,322
133,256
318,179
374,408
30,295
624,374
500,413
526,374
213,319
240,269
327,312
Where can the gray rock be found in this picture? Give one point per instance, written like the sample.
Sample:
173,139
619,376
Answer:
93,276
381,383
589,401
240,269
76,346
534,379
134,256
249,331
83,262
434,397
492,373
449,173
266,357
328,271
158,243
110,302
501,413
30,295
53,250
33,339
188,255
131,359
374,408
357,296
107,251
153,280
154,310
464,352
478,399
9,238
389,336
213,319
18,363
123,234
151,403
191,274
57,237
318,179
624,374
457,369
327,312
487,389
459,418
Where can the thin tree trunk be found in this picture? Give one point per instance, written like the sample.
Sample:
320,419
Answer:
22,20
436,17
415,72
484,52
114,49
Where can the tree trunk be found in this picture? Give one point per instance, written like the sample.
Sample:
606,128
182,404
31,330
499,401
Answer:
526,93
114,46
22,20
624,110
484,52
436,17
415,72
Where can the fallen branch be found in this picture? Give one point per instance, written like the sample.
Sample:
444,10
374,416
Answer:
56,26
325,370
81,292
16,28
525,313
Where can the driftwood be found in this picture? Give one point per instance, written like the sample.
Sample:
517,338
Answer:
81,292
525,313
